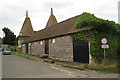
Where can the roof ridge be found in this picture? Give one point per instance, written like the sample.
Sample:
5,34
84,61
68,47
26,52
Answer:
53,31
69,19
59,22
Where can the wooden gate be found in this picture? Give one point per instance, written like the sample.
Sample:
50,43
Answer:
47,46
80,51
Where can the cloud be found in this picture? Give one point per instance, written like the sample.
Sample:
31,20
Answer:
57,5
12,12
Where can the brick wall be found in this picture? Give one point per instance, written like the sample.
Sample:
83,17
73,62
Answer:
37,48
61,48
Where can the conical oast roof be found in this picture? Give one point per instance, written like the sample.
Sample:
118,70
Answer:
52,19
27,29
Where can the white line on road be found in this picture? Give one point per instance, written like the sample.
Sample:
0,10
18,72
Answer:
68,72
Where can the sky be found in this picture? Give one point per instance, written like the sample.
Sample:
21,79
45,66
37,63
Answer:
12,12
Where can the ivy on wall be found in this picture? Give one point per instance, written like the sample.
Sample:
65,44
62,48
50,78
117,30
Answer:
100,28
87,19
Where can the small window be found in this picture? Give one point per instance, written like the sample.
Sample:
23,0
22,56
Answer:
41,42
53,40
23,44
20,46
29,44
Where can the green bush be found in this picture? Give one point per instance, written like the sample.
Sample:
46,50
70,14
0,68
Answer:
99,28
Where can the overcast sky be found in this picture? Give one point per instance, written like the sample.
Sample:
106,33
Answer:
12,12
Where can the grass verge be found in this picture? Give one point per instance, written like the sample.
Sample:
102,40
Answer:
27,56
105,66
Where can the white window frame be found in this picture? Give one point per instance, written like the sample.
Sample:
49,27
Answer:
53,40
23,44
29,44
41,42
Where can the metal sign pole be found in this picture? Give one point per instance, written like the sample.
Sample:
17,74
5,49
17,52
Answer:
104,54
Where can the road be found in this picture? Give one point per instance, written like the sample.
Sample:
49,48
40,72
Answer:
17,67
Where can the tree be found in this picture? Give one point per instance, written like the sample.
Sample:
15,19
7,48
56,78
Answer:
9,38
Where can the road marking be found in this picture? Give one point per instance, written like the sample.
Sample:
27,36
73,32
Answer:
68,72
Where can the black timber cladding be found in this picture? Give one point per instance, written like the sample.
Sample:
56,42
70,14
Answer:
80,51
26,47
47,46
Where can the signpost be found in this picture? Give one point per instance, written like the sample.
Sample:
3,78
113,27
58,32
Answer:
104,41
105,46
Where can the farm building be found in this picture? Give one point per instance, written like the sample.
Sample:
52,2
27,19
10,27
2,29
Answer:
56,41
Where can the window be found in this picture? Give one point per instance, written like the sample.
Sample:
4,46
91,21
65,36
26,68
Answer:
53,40
23,44
29,44
41,42
20,46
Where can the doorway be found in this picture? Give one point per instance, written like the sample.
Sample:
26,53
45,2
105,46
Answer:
47,46
80,51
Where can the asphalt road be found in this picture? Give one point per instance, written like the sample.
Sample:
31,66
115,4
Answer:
17,67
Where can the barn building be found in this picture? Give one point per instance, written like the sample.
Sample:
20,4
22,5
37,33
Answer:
55,41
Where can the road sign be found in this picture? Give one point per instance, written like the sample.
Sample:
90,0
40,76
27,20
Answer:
104,41
105,46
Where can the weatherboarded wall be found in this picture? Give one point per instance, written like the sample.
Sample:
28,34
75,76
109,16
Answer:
61,48
37,48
